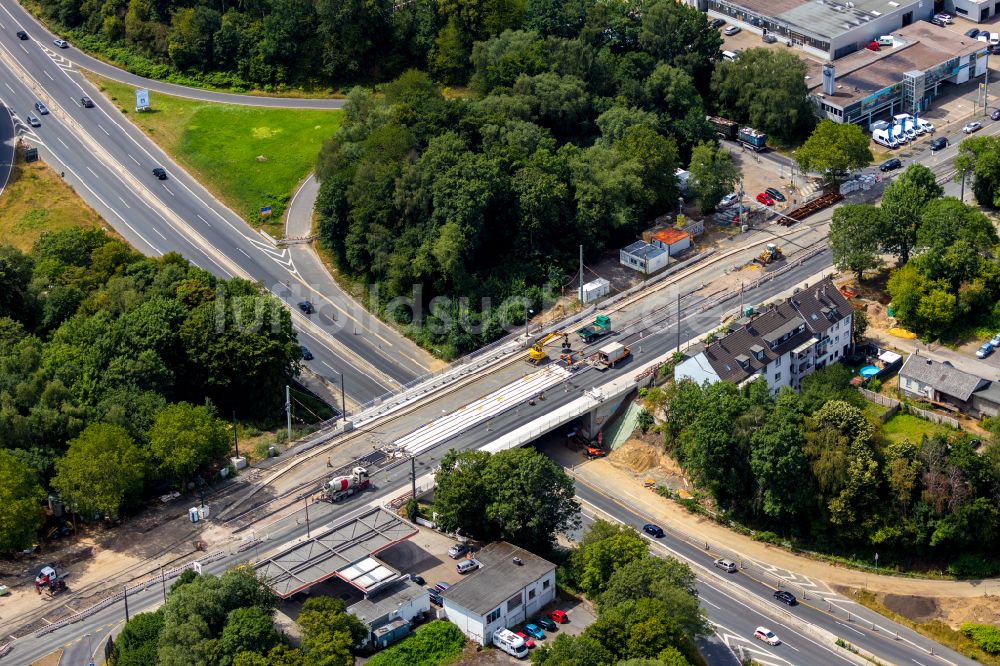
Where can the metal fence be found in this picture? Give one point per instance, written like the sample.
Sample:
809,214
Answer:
895,406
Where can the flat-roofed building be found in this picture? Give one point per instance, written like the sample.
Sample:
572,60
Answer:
827,28
902,78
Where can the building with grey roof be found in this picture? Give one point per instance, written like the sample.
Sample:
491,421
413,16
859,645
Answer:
642,256
902,77
511,586
827,28
782,343
943,384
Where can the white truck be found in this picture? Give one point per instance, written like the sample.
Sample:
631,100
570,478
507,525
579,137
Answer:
608,355
511,643
340,487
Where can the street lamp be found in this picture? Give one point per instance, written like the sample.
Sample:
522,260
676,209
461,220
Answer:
527,312
90,648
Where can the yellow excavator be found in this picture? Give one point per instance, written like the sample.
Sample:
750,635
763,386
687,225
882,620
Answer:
537,352
770,255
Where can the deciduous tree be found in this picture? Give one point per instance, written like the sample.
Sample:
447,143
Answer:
855,238
184,437
20,503
713,175
833,150
103,469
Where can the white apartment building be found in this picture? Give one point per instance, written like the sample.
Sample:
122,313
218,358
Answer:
783,343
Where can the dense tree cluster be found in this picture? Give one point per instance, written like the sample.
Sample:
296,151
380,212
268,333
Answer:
815,468
648,609
228,621
517,495
570,136
977,161
109,366
949,274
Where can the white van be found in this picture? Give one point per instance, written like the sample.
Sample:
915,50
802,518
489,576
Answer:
511,643
465,566
885,40
731,56
995,39
883,138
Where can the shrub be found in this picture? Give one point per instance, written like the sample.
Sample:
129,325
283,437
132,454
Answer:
432,644
767,537
985,636
974,567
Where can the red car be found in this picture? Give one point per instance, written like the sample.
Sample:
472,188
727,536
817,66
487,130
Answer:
873,46
529,642
764,199
558,617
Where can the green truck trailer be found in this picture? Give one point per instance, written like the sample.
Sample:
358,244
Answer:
599,327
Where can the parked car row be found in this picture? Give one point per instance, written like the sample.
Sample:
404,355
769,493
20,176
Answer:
988,347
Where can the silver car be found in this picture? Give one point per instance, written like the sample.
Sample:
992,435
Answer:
458,550
33,120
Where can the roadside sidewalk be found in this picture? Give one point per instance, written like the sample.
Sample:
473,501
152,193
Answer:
627,489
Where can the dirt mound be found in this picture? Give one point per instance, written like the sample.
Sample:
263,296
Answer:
956,611
918,609
635,455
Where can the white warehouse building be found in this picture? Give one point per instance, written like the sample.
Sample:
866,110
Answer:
510,587
783,344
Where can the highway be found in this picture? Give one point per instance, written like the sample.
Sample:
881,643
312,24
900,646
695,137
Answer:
734,616
109,162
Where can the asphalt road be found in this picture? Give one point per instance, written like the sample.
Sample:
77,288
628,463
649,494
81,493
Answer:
733,618
23,19
109,163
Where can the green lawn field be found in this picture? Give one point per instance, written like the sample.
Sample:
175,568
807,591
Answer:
908,427
249,157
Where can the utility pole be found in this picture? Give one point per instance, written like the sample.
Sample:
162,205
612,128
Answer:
343,400
308,534
236,439
288,410
986,84
125,587
413,477
163,582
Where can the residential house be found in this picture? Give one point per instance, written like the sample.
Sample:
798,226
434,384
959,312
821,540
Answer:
943,384
782,343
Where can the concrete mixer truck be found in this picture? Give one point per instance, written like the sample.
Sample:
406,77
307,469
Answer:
340,487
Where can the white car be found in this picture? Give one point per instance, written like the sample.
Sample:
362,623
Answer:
732,30
945,18
766,635
730,199
972,127
61,43
928,126
996,340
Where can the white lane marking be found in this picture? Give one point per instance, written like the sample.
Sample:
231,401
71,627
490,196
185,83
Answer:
159,234
48,75
8,86
132,158
851,628
124,202
916,662
63,143
243,252
91,171
204,220
168,190
789,646
329,366
22,48
104,130
706,601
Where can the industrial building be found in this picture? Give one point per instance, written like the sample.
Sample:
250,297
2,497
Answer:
511,586
904,77
974,10
827,28
674,241
783,343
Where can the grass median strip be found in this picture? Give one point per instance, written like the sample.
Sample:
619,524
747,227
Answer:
249,157
37,200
